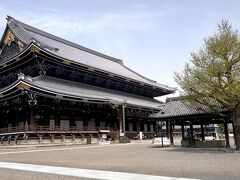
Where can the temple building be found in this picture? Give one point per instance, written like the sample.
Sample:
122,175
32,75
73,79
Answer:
54,90
195,123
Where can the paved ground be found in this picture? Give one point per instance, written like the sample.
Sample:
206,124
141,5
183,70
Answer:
133,158
9,174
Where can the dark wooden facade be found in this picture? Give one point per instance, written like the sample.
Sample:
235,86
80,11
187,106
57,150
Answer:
50,86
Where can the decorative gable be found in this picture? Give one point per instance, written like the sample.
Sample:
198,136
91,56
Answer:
10,46
9,38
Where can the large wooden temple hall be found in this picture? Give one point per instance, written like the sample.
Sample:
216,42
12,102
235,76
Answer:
55,90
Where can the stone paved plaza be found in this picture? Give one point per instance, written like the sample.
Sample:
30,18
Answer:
133,158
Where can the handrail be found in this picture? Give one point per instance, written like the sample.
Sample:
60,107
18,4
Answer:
38,128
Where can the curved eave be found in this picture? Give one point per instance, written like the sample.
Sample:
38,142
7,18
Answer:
7,89
58,95
12,90
18,57
21,85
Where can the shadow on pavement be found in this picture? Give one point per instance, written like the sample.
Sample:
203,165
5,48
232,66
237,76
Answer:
193,150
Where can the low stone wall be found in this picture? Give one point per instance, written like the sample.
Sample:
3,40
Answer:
135,135
49,140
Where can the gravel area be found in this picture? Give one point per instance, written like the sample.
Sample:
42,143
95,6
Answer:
150,159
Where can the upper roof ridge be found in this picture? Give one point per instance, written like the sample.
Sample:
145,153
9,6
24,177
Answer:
56,38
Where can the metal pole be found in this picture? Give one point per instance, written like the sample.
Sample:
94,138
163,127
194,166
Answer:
192,135
171,134
202,132
182,128
161,135
167,129
123,119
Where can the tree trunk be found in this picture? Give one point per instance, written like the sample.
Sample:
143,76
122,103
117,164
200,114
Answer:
236,124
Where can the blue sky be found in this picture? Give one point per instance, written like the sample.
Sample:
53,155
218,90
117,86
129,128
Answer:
153,37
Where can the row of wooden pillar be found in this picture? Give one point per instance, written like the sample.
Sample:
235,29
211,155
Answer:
169,132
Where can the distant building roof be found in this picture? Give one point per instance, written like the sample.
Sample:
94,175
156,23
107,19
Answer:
175,107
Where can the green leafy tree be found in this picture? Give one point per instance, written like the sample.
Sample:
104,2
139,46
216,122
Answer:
212,78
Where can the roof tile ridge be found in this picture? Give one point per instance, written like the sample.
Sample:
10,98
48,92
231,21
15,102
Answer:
12,20
31,39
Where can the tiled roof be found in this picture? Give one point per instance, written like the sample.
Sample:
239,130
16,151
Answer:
68,88
77,53
175,107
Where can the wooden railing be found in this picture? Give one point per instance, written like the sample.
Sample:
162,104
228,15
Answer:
28,128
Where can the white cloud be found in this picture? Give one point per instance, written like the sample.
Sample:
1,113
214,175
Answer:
138,18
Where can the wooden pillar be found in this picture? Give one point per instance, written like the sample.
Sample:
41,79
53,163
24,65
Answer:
123,120
32,120
234,134
16,118
167,129
202,132
171,134
57,118
120,121
226,134
138,125
72,119
192,143
182,128
85,123
191,131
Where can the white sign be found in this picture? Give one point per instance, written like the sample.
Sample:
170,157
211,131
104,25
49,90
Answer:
140,135
104,136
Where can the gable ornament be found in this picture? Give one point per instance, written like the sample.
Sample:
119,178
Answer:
21,46
9,38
